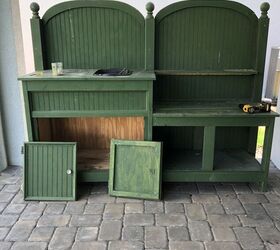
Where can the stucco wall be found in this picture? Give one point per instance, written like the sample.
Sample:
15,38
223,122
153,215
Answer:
275,154
10,98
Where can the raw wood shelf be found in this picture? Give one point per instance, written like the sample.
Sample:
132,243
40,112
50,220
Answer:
93,159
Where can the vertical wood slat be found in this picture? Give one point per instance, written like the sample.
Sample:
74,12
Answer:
208,148
102,100
198,43
37,41
263,26
149,37
45,176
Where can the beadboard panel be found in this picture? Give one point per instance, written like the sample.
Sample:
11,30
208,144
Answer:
93,37
203,88
210,38
191,138
45,171
83,101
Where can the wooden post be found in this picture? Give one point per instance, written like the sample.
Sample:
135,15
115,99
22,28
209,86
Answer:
36,30
149,37
261,51
208,148
263,25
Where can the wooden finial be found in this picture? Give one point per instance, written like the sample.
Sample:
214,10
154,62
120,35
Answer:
264,8
35,9
150,8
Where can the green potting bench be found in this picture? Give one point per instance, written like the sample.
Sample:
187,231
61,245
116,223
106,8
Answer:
192,65
210,57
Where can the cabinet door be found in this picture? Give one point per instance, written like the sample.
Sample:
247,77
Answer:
135,169
50,171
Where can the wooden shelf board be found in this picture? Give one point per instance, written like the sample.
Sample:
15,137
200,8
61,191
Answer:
226,160
225,72
204,109
235,160
97,159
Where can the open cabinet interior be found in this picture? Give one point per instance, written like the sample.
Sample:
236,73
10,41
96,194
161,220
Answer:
93,136
182,147
235,149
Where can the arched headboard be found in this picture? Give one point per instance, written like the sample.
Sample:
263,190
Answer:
92,34
209,34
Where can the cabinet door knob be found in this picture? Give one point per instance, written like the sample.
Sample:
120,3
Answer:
69,171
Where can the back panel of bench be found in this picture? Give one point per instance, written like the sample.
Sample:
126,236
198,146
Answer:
93,34
210,36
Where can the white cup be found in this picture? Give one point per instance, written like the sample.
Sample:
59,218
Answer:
54,69
57,68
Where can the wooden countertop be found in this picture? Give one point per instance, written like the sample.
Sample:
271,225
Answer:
83,74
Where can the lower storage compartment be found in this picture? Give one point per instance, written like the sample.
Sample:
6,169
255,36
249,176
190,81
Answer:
235,149
215,154
182,147
93,136
235,160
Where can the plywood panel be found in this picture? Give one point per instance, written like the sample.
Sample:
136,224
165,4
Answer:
92,133
45,129
97,159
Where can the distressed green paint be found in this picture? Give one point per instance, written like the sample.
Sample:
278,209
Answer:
27,110
217,176
36,29
45,171
111,31
85,95
198,27
83,101
93,176
217,57
135,169
208,148
215,63
266,154
178,121
149,37
91,113
263,26
82,74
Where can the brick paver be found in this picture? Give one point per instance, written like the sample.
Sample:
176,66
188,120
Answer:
203,216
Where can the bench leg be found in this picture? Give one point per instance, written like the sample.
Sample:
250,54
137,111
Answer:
266,154
263,186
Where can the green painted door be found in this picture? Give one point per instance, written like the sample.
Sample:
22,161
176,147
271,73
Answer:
49,171
135,169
